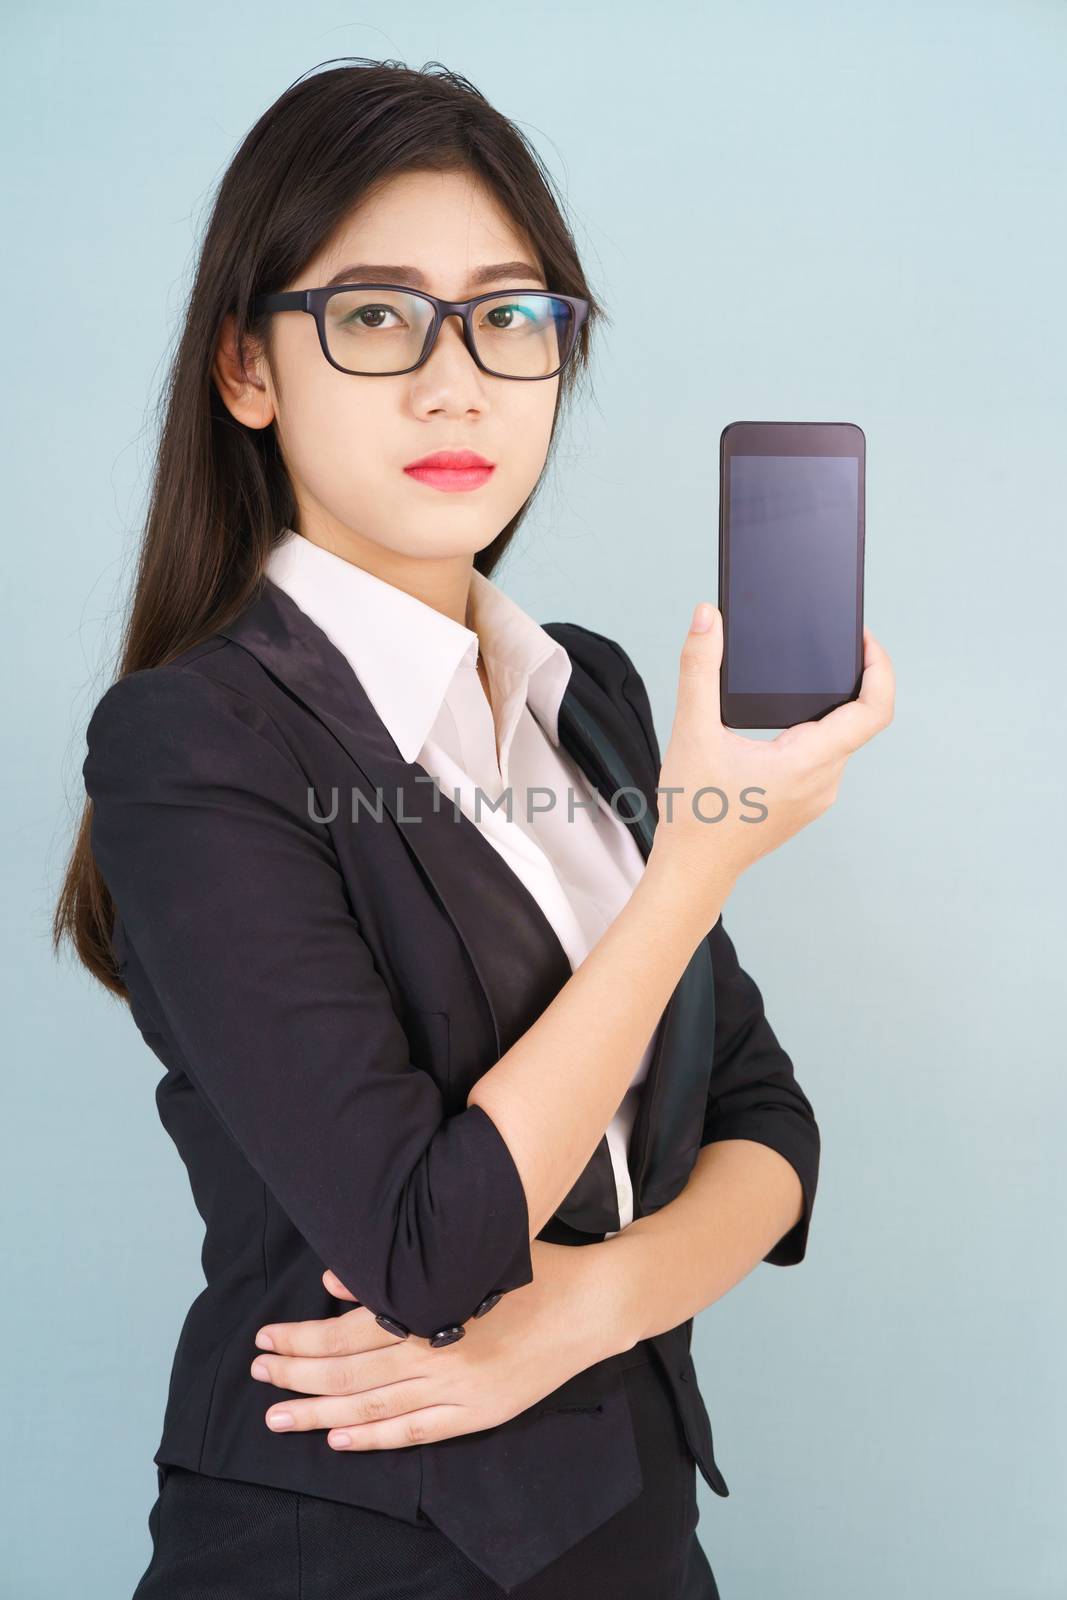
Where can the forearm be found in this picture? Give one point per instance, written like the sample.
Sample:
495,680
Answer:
555,1091
741,1198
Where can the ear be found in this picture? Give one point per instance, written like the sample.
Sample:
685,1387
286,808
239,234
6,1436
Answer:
239,378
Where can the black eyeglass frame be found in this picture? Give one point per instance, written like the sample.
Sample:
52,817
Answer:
314,301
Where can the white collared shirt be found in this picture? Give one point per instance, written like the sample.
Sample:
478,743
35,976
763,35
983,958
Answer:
419,670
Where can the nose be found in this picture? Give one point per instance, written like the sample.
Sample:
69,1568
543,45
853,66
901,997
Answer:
451,329
452,323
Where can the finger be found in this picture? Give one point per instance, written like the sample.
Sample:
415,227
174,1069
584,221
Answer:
698,676
342,1374
878,684
336,1411
345,1334
849,726
872,710
337,1288
414,1427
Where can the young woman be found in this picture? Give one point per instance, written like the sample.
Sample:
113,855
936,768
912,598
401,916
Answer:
419,1044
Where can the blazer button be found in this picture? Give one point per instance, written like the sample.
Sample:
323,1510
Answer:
391,1325
447,1335
488,1303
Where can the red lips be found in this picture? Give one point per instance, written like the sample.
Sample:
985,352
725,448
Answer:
450,461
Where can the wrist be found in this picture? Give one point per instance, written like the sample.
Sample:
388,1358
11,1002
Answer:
688,900
618,1264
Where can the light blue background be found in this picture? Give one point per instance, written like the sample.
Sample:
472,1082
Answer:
858,212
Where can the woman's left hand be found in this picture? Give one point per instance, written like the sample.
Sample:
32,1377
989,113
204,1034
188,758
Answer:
377,1392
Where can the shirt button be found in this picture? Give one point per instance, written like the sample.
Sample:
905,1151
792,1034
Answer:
488,1303
391,1325
447,1335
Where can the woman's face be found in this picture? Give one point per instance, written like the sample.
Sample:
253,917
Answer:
346,440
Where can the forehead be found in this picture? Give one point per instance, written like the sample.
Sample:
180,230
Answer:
447,228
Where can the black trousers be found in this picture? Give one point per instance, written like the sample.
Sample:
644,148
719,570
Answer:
219,1539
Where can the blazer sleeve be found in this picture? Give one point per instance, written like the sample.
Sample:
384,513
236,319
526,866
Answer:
753,1092
232,900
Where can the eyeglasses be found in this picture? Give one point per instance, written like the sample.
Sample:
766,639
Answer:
380,330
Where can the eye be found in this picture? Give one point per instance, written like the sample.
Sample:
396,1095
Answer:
508,312
357,318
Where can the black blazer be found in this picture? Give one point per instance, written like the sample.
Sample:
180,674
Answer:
323,992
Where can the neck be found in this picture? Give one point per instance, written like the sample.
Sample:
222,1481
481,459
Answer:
443,582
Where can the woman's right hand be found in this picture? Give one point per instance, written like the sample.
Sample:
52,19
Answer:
790,780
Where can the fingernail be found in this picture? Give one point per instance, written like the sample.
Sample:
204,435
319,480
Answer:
264,1341
701,618
279,1420
340,1440
260,1369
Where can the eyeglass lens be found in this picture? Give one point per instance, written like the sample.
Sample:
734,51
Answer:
523,335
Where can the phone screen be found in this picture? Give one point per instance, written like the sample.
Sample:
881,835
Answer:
792,580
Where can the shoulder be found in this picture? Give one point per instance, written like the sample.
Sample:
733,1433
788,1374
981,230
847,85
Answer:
612,669
196,714
208,679
602,657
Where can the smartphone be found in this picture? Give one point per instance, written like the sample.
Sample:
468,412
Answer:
791,524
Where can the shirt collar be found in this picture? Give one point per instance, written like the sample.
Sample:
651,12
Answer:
405,653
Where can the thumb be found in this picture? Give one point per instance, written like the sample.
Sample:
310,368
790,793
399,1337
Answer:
335,1287
698,678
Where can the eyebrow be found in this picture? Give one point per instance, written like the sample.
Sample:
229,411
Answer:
378,272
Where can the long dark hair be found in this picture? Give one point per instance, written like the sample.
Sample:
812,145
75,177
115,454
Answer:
220,493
